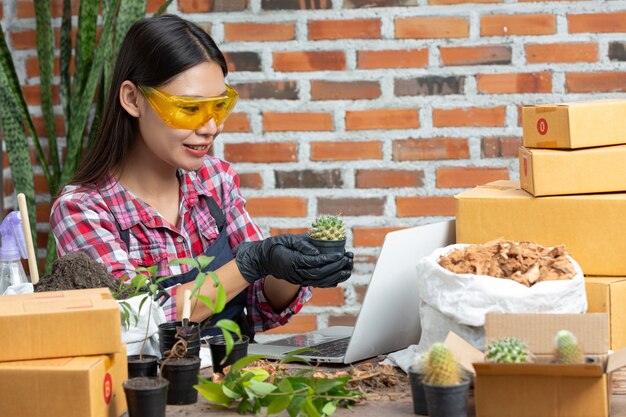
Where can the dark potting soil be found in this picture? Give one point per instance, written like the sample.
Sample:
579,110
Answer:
137,359
180,361
144,383
76,271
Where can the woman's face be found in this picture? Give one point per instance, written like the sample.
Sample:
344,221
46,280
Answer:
182,148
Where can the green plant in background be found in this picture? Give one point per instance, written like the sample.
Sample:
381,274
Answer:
440,367
94,63
328,228
567,349
507,350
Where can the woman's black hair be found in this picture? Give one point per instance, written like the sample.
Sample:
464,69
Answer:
154,51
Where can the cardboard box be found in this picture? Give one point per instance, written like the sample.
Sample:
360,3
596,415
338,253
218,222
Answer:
608,295
541,388
593,227
59,324
584,171
576,125
88,386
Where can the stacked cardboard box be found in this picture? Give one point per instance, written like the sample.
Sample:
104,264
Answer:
61,355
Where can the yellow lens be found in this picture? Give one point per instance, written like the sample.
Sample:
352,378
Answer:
190,112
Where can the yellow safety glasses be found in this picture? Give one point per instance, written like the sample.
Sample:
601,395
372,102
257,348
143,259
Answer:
182,112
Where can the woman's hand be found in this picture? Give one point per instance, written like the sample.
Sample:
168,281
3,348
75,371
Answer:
292,258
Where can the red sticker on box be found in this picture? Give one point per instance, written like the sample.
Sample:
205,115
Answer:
107,388
542,126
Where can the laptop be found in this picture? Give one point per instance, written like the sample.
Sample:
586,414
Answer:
389,317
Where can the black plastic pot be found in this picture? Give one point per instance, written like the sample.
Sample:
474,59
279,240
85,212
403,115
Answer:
146,366
447,401
167,338
146,397
218,351
329,246
183,375
417,391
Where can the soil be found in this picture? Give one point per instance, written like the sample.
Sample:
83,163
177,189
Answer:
144,359
77,271
523,262
143,383
181,361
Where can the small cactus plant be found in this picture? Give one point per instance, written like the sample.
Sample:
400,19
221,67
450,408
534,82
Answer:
507,350
440,367
328,228
567,349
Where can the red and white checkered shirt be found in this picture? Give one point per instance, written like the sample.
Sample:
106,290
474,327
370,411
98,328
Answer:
83,219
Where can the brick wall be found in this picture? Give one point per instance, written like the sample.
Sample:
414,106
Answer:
379,109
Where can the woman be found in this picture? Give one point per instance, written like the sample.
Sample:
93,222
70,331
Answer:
147,192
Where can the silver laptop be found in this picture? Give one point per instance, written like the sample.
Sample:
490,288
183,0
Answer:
389,317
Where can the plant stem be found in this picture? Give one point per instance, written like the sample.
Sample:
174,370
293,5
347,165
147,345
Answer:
145,337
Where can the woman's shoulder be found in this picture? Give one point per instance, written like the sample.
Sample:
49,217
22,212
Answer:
81,195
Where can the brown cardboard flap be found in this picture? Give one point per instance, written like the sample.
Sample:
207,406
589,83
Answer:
539,331
463,352
616,360
557,370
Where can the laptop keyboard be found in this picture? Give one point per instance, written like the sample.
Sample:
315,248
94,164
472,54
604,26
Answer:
332,349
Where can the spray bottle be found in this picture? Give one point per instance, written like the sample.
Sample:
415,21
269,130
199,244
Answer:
13,249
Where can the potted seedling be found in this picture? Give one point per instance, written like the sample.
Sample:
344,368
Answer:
445,389
416,373
508,350
328,234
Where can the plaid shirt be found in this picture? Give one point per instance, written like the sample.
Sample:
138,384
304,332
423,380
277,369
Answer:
84,220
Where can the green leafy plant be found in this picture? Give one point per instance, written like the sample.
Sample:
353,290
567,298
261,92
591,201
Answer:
300,393
567,349
440,367
94,61
507,350
328,227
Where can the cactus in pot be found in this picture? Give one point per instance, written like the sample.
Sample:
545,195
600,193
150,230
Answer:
507,350
567,349
328,234
445,388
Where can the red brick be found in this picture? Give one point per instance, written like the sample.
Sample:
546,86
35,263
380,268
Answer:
374,206
237,122
360,291
261,152
500,147
27,39
275,231
25,9
40,125
597,22
8,186
475,55
371,236
562,52
472,116
386,178
300,323
343,320
346,151
203,6
43,212
32,67
429,149
425,206
531,82
344,90
382,119
432,27
327,297
251,180
440,2
519,24
41,185
404,58
276,206
32,94
344,29
309,61
153,5
464,177
259,32
297,122
592,82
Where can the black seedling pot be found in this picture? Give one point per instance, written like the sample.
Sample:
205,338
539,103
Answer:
146,366
447,401
218,351
146,397
417,391
183,375
167,337
329,246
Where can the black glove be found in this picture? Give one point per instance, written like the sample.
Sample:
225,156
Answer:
293,259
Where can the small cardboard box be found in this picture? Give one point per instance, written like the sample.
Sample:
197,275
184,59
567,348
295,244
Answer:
608,295
593,226
582,124
87,386
541,388
59,324
585,171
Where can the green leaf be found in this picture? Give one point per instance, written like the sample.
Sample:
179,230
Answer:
163,7
204,261
243,362
184,261
130,12
258,374
65,56
198,282
206,301
213,393
85,42
154,288
230,326
329,409
285,386
261,388
326,384
220,301
228,340
279,404
230,393
295,406
293,356
141,304
309,409
245,407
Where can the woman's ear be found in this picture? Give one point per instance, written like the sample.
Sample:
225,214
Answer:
130,98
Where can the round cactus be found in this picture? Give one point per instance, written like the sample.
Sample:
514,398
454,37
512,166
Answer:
440,367
507,350
328,228
567,349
